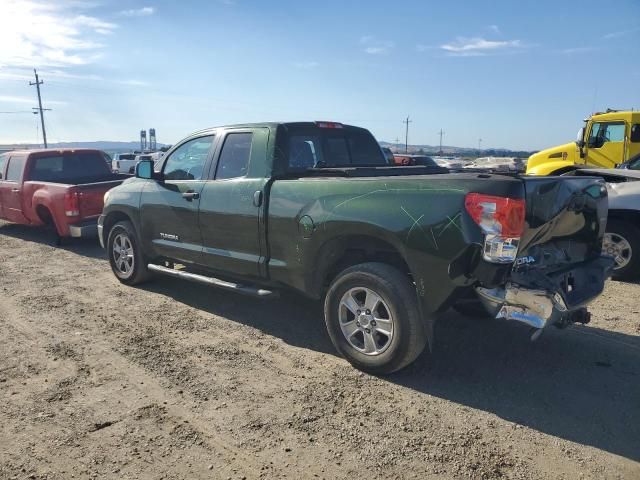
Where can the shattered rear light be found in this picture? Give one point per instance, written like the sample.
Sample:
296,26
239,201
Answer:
502,221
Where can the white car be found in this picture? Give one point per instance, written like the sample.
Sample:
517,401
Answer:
449,162
123,162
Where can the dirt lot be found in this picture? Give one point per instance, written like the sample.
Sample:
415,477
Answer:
175,380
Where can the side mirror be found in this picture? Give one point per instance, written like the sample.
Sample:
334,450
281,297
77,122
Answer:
144,169
580,138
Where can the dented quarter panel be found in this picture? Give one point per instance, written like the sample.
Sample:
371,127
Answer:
422,217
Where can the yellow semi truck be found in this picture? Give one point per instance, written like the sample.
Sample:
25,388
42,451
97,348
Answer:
607,140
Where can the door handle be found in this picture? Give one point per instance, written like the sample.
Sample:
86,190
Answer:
257,198
15,190
189,196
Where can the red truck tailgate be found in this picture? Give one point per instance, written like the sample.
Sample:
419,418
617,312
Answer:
90,197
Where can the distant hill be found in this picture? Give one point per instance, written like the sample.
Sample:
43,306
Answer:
107,145
457,151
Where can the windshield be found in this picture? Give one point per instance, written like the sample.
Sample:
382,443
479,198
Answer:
318,148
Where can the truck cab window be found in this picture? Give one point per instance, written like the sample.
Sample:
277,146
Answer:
635,133
14,170
187,161
234,158
2,162
602,133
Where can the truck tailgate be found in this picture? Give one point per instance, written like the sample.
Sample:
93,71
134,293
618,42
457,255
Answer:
562,243
565,213
91,196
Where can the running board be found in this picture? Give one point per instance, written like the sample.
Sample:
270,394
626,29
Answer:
193,277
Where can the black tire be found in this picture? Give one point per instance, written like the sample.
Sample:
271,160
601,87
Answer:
138,272
50,227
630,233
408,337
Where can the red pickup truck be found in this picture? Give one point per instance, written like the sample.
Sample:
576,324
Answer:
63,189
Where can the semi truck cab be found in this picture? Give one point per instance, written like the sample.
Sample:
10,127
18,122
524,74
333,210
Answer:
607,140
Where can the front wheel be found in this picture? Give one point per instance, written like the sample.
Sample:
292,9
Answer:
125,256
372,317
622,242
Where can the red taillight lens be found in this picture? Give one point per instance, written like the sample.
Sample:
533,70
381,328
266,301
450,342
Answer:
329,125
498,215
71,204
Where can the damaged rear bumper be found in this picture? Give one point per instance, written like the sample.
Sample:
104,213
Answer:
539,299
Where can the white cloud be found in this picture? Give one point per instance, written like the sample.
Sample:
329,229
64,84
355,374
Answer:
578,50
138,12
373,46
133,83
307,65
38,34
494,29
478,46
28,100
621,33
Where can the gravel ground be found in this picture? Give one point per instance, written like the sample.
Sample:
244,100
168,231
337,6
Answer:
175,380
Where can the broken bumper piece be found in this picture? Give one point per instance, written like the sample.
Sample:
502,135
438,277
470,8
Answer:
536,308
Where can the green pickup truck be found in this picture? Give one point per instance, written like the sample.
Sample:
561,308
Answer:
316,208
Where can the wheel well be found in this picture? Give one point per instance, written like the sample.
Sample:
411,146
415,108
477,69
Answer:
341,253
44,214
632,216
110,221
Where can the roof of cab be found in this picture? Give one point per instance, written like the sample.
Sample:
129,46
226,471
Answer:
313,124
53,150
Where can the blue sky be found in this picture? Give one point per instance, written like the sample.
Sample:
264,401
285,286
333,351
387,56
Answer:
517,74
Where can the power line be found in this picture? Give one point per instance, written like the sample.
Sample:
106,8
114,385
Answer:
19,111
40,110
406,135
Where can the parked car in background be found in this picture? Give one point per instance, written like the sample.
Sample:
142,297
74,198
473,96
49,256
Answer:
452,163
622,236
62,189
632,164
123,162
388,154
315,207
497,164
411,160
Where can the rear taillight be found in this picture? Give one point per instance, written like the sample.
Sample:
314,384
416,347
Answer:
72,204
502,221
329,125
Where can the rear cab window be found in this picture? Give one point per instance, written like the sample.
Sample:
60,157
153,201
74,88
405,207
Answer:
68,167
315,147
235,155
3,160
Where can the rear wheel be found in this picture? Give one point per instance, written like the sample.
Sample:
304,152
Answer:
125,256
622,242
372,317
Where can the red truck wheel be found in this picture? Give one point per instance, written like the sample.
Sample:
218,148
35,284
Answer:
125,257
372,317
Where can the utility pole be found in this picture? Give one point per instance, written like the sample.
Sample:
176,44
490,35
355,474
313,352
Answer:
40,110
441,133
479,145
406,135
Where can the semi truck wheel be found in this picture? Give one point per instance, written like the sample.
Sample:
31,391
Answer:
125,257
622,242
372,317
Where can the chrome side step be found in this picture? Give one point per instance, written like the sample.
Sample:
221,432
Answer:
216,282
